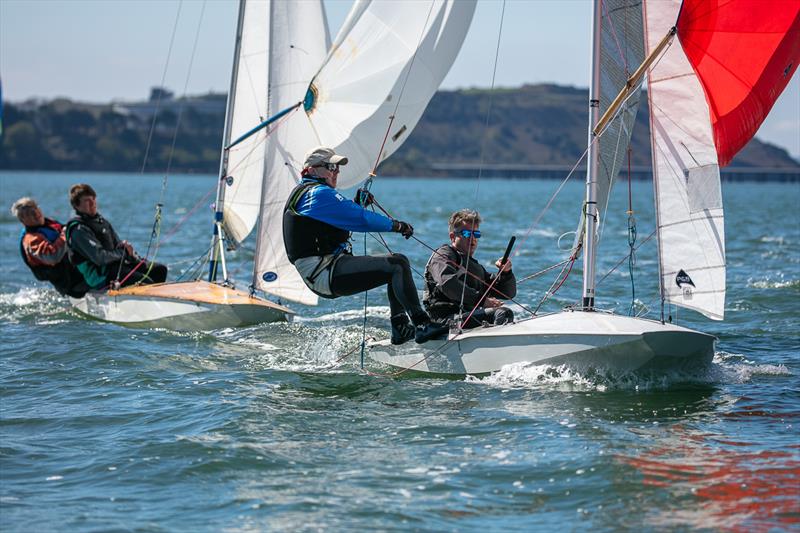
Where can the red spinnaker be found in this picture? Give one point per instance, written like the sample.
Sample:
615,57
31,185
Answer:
744,53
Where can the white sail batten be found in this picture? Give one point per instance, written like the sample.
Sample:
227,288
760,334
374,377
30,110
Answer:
348,107
621,51
690,220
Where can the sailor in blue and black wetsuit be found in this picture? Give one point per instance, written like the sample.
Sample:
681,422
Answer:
317,222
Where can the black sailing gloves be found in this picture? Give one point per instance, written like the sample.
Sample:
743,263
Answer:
403,228
363,198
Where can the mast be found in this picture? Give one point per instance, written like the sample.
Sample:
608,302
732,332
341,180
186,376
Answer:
218,239
590,204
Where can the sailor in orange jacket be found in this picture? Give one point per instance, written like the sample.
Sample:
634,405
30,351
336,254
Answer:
44,249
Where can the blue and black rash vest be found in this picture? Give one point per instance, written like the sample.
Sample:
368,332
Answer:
317,220
64,277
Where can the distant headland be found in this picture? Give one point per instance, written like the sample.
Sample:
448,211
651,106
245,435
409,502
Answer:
534,131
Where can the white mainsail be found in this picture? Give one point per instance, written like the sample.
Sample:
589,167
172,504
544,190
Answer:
621,51
690,220
382,46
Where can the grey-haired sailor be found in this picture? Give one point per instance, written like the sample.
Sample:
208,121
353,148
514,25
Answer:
450,290
317,222
44,249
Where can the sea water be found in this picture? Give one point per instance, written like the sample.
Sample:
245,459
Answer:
276,427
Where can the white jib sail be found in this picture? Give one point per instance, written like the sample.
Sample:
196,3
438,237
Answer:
354,94
690,221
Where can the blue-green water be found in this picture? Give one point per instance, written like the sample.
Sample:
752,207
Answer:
106,428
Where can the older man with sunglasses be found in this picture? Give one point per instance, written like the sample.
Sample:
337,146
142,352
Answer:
317,222
456,285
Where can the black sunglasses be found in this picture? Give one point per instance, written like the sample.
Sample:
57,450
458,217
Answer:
333,167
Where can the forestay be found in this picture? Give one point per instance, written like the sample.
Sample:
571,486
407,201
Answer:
348,104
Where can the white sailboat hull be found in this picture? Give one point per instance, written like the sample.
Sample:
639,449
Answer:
584,340
189,306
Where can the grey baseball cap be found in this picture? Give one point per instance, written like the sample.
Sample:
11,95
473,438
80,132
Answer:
322,154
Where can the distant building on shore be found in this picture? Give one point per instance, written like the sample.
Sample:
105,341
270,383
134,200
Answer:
163,101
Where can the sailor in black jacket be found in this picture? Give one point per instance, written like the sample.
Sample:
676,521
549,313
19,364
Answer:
450,291
98,252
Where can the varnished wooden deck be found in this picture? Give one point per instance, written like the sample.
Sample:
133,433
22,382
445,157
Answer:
197,291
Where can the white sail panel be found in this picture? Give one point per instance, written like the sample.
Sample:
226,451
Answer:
355,93
689,209
299,41
368,67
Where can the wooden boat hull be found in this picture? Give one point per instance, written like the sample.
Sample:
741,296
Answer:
187,306
583,340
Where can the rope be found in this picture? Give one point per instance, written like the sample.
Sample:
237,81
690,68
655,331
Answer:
364,321
551,291
400,96
491,99
163,80
156,233
631,238
626,257
545,271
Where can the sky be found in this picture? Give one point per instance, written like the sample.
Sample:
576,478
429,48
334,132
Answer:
104,50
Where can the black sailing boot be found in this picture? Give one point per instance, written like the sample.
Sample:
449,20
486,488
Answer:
402,330
428,330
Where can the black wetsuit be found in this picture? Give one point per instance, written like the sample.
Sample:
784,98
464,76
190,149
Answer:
445,284
97,251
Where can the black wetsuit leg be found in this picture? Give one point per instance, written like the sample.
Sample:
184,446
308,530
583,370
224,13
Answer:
491,315
354,274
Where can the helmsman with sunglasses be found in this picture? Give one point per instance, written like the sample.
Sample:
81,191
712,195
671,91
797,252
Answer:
317,222
453,291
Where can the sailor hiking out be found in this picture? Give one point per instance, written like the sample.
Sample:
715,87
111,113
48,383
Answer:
317,222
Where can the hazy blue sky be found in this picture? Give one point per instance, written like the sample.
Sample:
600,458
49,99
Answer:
99,50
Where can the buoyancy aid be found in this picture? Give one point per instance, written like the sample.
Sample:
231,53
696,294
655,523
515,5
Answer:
304,236
95,275
63,276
